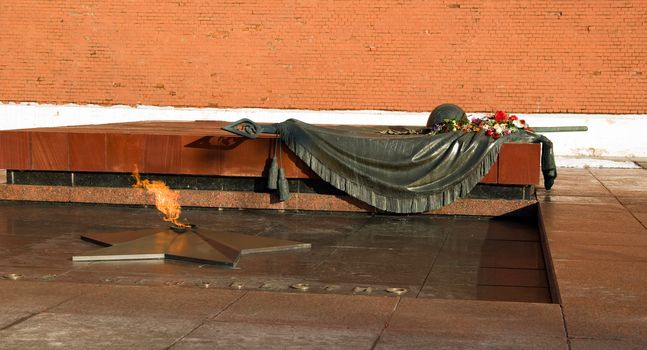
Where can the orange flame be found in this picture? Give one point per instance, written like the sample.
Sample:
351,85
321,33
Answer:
166,200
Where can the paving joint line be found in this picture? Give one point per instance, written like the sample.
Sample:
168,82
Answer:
336,248
386,324
228,306
619,201
568,338
18,321
204,320
433,263
23,319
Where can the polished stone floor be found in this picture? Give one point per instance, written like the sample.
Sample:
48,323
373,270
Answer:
594,221
437,257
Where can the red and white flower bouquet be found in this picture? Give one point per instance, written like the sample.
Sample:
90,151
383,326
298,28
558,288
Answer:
494,125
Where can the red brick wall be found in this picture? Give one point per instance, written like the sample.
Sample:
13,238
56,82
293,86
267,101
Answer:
522,56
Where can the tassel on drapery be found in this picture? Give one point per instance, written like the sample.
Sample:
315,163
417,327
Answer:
273,173
284,188
276,179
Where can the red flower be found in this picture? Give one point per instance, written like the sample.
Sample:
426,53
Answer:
500,116
522,121
496,136
489,132
513,118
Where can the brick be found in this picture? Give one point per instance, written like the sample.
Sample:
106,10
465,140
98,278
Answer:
522,57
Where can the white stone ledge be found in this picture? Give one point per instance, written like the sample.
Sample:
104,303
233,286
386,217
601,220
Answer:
609,136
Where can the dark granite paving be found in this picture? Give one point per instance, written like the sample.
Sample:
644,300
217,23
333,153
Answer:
353,260
594,221
438,257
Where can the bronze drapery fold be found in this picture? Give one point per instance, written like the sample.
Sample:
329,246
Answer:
402,173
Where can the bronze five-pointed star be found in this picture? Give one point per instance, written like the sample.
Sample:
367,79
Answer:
201,246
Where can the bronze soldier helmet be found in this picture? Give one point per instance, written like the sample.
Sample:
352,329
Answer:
446,111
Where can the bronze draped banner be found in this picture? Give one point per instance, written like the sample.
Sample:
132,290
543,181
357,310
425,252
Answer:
402,173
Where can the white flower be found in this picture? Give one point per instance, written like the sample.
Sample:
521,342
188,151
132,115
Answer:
498,129
518,124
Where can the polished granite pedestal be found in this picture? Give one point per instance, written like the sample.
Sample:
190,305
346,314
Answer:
92,163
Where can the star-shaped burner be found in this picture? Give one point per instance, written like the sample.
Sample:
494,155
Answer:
201,246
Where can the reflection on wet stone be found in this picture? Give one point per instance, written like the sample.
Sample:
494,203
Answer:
430,256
